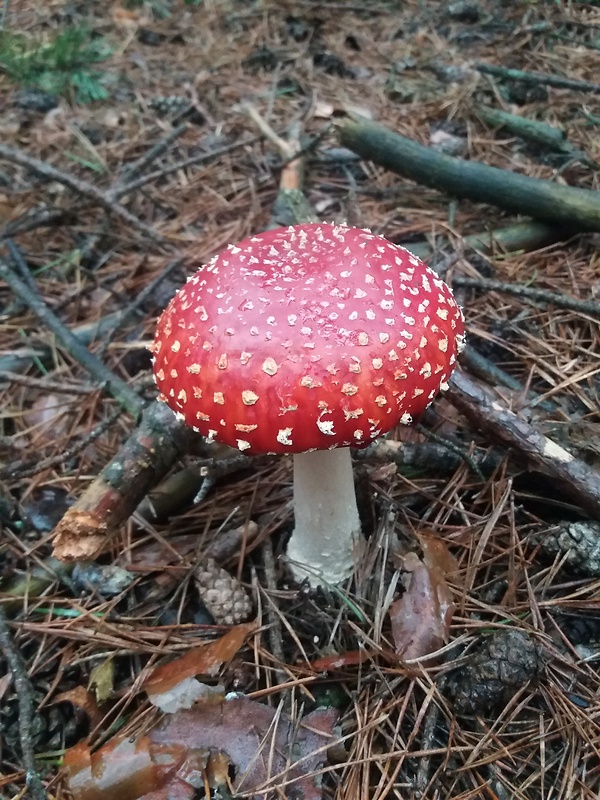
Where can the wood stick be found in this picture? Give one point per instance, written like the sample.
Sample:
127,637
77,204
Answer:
107,380
537,78
542,199
115,494
520,237
572,476
81,187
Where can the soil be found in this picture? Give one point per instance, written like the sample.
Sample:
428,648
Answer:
462,659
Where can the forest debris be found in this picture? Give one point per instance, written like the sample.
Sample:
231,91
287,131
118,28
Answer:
506,662
575,477
107,580
155,555
110,382
576,544
267,749
172,686
590,307
421,617
27,704
542,199
198,748
537,78
102,679
115,493
222,594
83,699
535,131
80,187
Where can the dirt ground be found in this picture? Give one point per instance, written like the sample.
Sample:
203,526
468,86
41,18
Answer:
462,659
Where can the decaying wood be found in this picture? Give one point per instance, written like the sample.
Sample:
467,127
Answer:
520,237
542,199
573,476
113,496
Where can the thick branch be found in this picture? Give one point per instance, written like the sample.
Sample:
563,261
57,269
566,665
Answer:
138,466
541,199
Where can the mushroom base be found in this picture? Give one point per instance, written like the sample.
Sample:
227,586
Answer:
324,543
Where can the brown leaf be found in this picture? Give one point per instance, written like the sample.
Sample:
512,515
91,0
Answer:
195,748
421,617
206,659
129,769
436,554
265,747
83,699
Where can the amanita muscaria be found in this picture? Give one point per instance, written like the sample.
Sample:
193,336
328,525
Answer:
309,340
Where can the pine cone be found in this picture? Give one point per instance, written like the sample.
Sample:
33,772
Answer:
579,542
165,105
506,662
222,594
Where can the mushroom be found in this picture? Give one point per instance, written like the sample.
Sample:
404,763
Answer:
309,340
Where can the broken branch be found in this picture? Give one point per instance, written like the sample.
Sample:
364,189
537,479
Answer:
572,475
520,194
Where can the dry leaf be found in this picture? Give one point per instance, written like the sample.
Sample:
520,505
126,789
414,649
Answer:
127,769
206,660
83,699
102,679
421,617
199,747
260,742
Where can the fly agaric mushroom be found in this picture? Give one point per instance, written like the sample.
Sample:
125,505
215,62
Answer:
309,340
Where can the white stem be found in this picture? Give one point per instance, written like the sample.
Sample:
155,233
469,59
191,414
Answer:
324,542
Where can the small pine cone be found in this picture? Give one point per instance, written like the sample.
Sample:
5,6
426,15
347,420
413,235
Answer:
222,594
577,542
507,661
165,105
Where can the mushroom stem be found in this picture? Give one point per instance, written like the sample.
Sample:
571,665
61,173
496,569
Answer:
327,531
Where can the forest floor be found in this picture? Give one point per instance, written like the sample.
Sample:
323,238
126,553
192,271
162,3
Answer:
462,660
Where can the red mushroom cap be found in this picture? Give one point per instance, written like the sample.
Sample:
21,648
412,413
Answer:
313,336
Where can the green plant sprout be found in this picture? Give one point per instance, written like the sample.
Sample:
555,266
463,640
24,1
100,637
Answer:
60,66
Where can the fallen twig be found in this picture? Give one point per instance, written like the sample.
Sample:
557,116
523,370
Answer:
537,78
114,495
86,333
541,199
27,707
532,130
589,307
122,189
30,467
39,218
81,187
106,379
125,314
574,477
46,385
156,151
520,237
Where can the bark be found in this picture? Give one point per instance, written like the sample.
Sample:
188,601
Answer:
544,200
573,476
112,497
